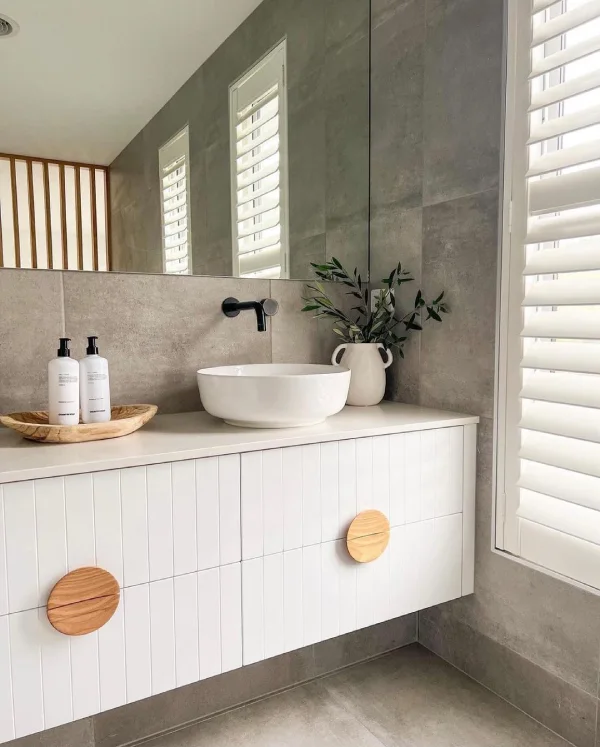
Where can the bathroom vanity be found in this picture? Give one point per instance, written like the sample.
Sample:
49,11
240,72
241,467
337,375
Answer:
229,546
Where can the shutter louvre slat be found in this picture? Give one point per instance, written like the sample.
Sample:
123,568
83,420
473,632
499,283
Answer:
564,159
565,91
563,356
563,323
565,56
581,423
578,521
539,5
568,291
563,227
565,22
565,485
584,256
564,125
565,192
564,388
557,451
260,260
271,128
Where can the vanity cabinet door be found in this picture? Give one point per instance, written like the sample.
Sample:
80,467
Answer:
303,596
304,495
164,634
141,524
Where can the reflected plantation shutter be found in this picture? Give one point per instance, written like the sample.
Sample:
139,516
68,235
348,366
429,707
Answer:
551,288
259,170
174,184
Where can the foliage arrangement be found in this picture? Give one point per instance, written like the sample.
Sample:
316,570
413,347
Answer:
382,324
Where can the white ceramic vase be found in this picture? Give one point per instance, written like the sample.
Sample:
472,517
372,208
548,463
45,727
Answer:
367,383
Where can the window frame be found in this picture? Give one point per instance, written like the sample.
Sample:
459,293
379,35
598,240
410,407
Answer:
509,319
263,64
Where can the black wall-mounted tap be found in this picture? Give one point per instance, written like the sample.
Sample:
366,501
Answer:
267,307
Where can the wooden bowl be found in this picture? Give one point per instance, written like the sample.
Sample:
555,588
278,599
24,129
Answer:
125,419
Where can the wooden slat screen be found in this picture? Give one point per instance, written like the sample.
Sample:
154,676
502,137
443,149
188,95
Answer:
53,214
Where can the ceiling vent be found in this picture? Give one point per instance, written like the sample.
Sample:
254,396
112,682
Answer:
7,27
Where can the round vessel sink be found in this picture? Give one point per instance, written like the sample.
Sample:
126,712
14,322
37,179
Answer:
274,395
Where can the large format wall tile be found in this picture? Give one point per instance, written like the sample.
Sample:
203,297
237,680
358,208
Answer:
460,247
299,337
397,112
31,321
158,331
397,236
463,95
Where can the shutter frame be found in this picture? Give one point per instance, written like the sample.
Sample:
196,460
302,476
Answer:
549,342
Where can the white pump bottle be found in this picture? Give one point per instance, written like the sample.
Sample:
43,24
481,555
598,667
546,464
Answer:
63,387
94,387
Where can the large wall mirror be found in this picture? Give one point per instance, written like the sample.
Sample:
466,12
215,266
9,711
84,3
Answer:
205,137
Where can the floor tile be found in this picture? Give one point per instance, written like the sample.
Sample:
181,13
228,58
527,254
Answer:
413,697
409,698
305,717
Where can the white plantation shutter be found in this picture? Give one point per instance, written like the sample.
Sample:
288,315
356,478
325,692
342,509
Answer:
174,184
549,501
259,170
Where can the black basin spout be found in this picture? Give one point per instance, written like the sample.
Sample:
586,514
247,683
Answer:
267,307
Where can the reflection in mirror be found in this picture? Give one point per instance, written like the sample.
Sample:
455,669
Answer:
185,138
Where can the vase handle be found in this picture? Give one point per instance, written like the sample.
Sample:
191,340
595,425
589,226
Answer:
336,352
390,357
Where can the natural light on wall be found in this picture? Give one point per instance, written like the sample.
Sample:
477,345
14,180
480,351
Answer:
548,508
173,161
259,170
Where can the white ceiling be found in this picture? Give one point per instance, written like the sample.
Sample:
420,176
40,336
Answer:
82,77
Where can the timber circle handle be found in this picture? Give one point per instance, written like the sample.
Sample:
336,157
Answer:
368,536
83,601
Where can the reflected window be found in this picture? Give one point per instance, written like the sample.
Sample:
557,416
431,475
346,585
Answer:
259,169
174,158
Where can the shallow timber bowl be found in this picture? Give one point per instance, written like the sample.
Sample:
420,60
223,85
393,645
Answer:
34,426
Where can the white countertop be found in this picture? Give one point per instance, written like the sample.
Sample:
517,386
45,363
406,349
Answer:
173,438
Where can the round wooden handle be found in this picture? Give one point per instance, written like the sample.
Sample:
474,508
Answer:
368,536
83,601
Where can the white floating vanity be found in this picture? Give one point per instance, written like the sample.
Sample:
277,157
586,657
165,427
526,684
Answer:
228,545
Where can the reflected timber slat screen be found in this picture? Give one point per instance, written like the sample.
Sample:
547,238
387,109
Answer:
53,214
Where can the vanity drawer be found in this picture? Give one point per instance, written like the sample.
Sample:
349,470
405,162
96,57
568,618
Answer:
165,634
141,524
301,496
303,596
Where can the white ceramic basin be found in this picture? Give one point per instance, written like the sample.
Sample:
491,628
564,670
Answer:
274,395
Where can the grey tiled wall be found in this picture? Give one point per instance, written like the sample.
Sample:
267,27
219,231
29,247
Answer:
328,101
156,331
437,98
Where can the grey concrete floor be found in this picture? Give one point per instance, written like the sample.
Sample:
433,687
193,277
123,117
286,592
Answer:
409,698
